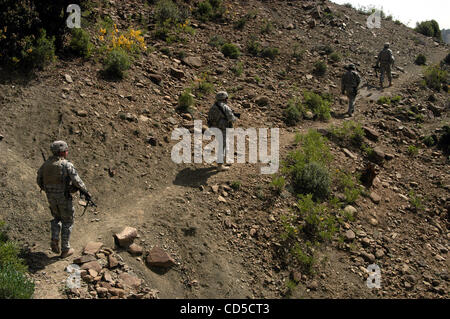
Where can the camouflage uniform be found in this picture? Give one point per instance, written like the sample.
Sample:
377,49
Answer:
349,83
221,116
58,178
385,61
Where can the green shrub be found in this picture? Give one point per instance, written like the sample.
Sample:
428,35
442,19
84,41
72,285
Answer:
204,10
335,57
9,253
429,29
293,113
270,53
429,140
253,46
421,59
267,27
435,77
415,201
230,50
306,260
318,223
318,104
185,101
298,53
312,179
41,54
412,150
307,165
238,68
217,41
320,68
166,10
14,284
350,132
80,43
236,185
277,184
347,184
116,63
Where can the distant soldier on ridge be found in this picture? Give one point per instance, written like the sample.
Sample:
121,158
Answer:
385,62
349,86
58,178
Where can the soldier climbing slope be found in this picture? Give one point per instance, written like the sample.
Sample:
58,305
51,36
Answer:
221,116
58,178
349,84
385,62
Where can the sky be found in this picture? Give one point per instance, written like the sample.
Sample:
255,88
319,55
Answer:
409,11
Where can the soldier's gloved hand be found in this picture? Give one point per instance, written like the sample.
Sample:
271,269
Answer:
238,115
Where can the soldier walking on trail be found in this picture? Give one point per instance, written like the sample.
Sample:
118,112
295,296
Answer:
221,116
385,62
58,178
349,84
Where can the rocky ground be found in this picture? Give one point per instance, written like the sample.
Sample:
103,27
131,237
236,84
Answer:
218,240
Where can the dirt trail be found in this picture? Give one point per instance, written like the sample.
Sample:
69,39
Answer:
164,215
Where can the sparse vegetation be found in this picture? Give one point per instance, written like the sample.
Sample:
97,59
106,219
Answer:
435,77
413,150
253,46
267,27
319,104
230,50
80,43
14,283
116,63
293,113
335,57
238,68
421,59
387,100
277,184
217,41
270,52
307,166
350,133
320,68
415,201
185,101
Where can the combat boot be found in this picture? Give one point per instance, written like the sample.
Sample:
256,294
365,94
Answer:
67,253
55,246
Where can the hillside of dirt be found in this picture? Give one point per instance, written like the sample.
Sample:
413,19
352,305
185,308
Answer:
223,230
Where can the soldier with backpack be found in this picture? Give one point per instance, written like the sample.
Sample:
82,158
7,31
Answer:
222,117
385,62
349,84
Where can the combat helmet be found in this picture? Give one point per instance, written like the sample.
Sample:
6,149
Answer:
58,146
350,66
387,45
221,96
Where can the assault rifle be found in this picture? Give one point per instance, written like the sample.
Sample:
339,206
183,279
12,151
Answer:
89,201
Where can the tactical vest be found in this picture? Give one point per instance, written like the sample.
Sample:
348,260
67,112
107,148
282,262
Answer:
217,117
351,79
54,175
386,57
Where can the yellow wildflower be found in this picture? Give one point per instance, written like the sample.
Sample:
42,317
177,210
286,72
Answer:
103,31
30,50
101,38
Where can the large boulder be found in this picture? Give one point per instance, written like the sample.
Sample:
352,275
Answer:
159,258
126,237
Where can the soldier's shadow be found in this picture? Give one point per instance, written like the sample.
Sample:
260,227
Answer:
194,177
37,260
